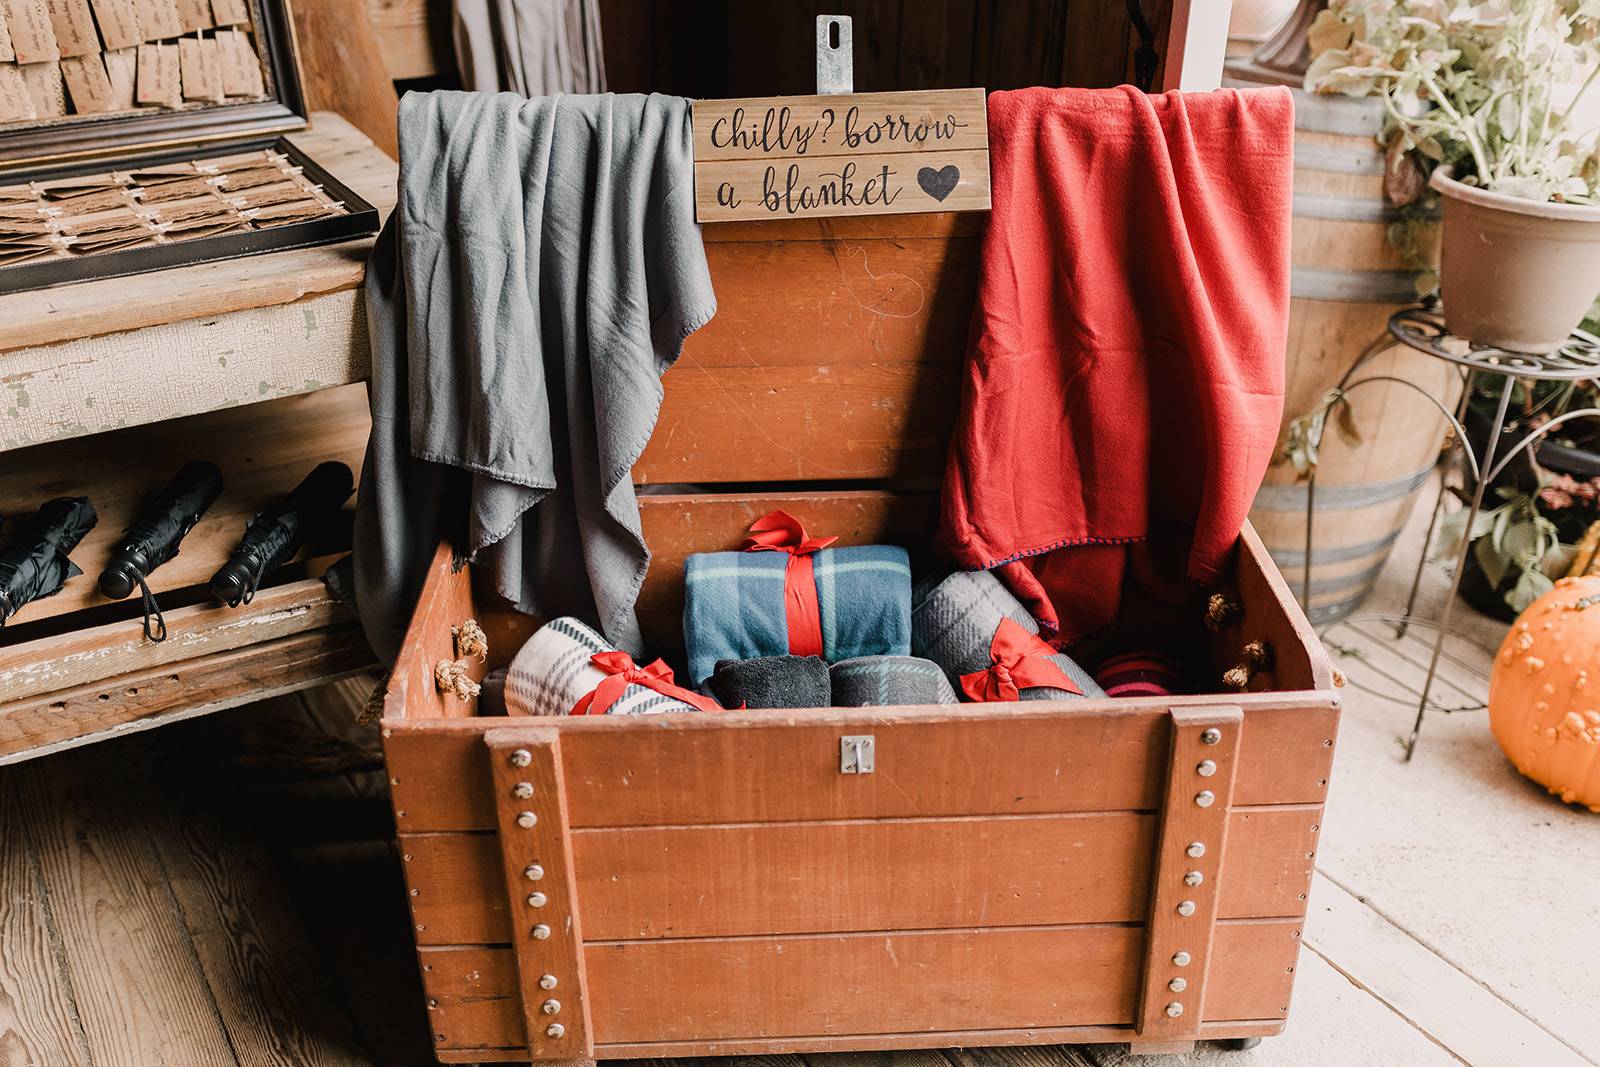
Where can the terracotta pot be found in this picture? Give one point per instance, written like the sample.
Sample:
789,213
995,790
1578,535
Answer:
1518,274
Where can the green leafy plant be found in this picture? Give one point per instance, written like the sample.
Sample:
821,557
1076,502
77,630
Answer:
1513,539
1303,440
1469,85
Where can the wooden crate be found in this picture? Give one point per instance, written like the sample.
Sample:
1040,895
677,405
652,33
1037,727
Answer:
714,885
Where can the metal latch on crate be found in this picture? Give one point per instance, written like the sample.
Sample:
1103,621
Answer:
856,754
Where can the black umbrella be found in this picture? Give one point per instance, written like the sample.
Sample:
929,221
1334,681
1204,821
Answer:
36,563
154,536
276,534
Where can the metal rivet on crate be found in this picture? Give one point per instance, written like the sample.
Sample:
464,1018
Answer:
1195,850
1174,1010
527,819
1210,736
533,872
547,981
1192,878
1206,768
521,758
540,932
1177,985
551,1006
1205,798
522,790
537,900
1180,958
554,1030
1186,908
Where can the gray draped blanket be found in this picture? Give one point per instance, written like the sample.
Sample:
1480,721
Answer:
540,272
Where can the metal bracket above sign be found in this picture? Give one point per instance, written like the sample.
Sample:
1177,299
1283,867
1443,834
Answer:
835,69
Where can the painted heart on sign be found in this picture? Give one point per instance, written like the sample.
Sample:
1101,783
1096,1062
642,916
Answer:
939,183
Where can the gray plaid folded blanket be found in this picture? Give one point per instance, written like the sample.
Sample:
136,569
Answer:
552,672
953,620
882,681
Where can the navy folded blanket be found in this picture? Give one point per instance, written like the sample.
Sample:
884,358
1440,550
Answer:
771,682
734,605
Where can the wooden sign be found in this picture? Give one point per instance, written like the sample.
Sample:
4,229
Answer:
787,157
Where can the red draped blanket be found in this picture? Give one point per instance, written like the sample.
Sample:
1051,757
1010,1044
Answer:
1124,378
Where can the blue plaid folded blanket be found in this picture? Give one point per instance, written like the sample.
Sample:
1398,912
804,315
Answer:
734,605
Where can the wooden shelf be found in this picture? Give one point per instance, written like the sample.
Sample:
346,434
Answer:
264,450
106,389
77,667
99,355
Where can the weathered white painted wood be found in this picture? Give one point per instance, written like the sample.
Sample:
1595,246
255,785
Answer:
106,651
1197,42
107,382
1423,987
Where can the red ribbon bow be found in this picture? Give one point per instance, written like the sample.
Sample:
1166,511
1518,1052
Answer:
1018,661
622,672
780,531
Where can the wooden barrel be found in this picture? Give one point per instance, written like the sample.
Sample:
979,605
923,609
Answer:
1347,279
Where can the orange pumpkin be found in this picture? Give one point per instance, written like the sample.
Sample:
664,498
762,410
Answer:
1544,692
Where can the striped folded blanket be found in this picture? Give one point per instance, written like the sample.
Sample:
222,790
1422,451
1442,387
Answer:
953,622
734,605
552,672
884,681
1142,673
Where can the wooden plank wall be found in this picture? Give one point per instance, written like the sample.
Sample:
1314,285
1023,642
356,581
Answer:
727,48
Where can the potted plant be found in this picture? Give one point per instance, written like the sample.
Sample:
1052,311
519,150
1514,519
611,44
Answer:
1470,91
1548,498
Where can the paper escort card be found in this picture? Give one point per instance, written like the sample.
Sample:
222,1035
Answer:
858,154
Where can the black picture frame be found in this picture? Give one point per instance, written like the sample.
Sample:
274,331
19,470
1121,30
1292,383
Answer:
361,218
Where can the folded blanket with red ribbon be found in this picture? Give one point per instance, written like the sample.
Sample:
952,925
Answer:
988,644
787,593
566,668
1125,370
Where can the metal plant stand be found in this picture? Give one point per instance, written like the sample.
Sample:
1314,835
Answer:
1423,329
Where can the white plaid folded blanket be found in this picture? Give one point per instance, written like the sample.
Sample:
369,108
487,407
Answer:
552,672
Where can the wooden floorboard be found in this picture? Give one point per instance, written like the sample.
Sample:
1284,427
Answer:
1023,1056
317,797
38,1020
272,992
131,964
